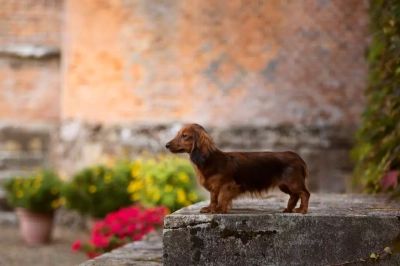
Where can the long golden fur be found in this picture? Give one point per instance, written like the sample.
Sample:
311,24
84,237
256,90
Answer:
226,175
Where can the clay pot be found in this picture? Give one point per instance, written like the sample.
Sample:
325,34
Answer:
35,228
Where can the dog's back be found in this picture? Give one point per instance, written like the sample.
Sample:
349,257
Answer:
259,171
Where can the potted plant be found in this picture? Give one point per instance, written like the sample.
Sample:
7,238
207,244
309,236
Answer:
35,198
96,191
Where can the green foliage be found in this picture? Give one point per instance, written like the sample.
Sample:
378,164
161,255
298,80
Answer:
377,149
39,192
98,190
166,180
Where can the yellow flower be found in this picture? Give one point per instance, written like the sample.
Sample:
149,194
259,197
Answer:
192,196
62,201
107,178
180,196
19,194
55,204
168,188
135,170
156,195
183,177
92,189
135,186
36,184
135,197
149,180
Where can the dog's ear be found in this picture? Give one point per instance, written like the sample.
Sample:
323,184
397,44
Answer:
203,145
197,157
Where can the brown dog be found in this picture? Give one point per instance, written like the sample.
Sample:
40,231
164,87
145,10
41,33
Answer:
228,174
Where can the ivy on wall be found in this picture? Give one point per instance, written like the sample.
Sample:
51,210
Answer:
377,149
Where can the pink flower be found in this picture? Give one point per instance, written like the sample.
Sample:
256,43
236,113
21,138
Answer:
389,180
100,241
76,245
92,254
120,227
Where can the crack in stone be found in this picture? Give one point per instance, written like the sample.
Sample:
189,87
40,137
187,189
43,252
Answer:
246,236
189,225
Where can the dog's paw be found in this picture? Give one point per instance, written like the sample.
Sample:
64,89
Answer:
219,210
286,210
300,210
206,209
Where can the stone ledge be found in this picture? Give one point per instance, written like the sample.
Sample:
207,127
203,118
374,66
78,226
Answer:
338,228
147,252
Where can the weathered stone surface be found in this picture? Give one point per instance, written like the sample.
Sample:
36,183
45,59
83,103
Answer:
147,252
30,41
266,62
23,149
338,228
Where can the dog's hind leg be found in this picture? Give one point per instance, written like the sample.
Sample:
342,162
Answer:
304,196
294,198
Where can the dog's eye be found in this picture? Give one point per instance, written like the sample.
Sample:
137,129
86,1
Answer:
184,136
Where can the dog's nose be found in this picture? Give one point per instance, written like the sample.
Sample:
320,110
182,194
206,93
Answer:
167,145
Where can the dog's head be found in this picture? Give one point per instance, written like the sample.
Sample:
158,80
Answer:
190,139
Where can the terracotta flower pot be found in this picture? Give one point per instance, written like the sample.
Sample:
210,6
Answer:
35,228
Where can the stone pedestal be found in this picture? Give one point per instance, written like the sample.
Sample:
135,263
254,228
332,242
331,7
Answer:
337,230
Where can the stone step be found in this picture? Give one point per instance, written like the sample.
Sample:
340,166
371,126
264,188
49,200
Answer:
147,252
338,229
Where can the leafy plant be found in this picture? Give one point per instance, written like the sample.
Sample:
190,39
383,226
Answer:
121,227
98,190
377,149
39,192
166,180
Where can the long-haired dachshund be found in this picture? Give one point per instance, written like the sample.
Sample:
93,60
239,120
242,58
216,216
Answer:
228,174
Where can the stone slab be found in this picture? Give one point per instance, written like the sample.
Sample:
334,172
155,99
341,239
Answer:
338,229
147,252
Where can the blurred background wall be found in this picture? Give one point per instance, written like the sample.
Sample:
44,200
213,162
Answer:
84,81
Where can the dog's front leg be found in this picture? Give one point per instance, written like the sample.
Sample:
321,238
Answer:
213,203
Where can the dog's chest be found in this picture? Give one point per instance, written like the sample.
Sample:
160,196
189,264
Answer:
200,176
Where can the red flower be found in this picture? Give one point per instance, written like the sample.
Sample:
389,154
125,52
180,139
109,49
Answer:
92,254
100,241
76,245
390,180
120,227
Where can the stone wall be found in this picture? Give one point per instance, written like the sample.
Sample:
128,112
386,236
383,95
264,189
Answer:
260,75
30,94
220,63
29,60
